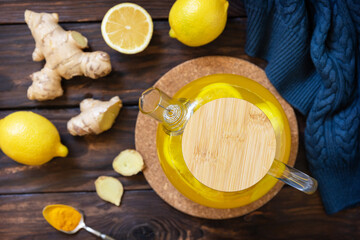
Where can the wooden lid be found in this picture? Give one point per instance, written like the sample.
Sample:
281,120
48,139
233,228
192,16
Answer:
229,144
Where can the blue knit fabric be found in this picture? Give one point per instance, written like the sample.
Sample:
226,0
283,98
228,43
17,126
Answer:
313,54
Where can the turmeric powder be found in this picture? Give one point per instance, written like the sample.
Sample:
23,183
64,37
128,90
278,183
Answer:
62,217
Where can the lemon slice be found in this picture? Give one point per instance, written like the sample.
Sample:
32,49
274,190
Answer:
127,28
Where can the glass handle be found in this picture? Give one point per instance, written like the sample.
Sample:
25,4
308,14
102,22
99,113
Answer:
293,177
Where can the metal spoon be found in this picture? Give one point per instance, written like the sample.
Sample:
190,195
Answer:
79,226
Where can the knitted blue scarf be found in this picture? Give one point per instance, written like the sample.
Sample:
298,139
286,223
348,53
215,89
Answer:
313,53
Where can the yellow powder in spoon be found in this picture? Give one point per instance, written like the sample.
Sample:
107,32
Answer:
64,218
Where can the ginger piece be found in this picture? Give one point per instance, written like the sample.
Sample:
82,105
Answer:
64,56
109,189
95,117
129,162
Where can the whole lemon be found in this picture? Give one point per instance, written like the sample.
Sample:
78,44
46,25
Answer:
30,138
197,22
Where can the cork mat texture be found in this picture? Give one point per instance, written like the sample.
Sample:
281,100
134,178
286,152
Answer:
146,127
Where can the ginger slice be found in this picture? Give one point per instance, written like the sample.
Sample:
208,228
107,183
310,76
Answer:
109,189
95,117
129,162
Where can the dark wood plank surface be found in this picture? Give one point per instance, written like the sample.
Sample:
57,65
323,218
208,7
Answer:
25,190
131,73
143,215
90,10
89,157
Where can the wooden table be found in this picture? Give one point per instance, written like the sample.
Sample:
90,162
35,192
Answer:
25,190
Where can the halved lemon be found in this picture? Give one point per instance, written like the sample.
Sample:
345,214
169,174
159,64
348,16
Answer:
127,28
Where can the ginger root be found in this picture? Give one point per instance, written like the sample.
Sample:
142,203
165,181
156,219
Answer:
129,162
95,117
64,56
109,189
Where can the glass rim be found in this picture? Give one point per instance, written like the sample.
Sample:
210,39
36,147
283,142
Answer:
141,98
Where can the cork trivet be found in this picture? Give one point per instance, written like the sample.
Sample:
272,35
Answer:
146,127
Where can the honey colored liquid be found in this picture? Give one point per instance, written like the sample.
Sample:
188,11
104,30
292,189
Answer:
203,91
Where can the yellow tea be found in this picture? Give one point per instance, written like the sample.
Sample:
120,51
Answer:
200,92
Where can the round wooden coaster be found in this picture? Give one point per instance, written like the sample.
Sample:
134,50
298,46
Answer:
237,152
146,127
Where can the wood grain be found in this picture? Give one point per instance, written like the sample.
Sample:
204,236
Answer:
131,73
143,215
91,10
89,157
229,144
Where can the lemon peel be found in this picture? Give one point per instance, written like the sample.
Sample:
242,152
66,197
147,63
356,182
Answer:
30,138
197,22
